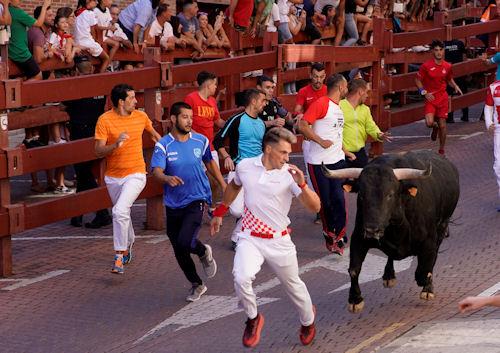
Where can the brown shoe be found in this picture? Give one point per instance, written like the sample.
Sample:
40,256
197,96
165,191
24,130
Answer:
251,335
307,333
434,133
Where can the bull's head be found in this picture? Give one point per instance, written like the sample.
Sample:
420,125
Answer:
380,191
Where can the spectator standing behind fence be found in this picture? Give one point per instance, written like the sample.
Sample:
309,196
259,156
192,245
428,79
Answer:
5,18
83,114
117,33
118,136
190,30
311,30
38,37
19,52
240,12
162,29
454,52
135,18
358,123
177,164
431,82
84,26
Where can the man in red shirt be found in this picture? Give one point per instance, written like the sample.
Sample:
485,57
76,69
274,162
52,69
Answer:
205,113
431,81
306,96
240,12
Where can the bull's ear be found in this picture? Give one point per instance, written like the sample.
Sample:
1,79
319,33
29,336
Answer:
347,187
412,190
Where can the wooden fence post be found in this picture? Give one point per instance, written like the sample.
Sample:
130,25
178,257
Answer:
5,242
155,211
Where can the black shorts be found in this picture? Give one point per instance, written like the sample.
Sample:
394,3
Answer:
29,68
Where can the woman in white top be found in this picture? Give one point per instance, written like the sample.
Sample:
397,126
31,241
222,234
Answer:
103,17
84,26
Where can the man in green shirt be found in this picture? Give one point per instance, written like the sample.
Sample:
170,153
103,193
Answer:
18,45
358,123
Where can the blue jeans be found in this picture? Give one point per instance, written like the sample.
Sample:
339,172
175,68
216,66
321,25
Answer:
351,30
333,211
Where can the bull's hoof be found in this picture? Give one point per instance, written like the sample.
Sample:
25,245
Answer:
427,296
356,308
389,283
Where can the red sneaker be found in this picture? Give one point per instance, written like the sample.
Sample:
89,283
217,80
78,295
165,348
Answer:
441,152
307,333
251,335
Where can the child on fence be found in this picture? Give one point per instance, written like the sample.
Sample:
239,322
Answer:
162,29
61,41
117,33
104,23
85,24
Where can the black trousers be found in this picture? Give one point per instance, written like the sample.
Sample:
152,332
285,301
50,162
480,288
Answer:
183,226
360,161
333,211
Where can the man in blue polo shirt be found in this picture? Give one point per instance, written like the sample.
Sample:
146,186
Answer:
177,163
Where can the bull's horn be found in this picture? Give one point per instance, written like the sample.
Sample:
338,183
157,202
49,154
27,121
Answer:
346,173
410,173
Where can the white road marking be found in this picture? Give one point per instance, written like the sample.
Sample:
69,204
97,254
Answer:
159,239
212,307
28,281
427,136
472,135
80,237
490,291
12,279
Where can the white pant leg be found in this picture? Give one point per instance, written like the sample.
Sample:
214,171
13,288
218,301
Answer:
305,151
281,256
247,263
496,152
236,230
123,193
236,208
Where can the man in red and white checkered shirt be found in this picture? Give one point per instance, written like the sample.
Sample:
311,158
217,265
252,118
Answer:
270,185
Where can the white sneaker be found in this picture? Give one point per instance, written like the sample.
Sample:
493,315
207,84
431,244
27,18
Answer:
196,291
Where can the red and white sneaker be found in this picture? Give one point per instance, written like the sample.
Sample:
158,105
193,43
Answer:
251,335
307,333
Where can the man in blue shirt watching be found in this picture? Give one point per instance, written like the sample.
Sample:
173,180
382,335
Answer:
135,18
177,164
495,59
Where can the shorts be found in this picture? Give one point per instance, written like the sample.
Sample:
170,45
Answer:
438,107
29,68
90,45
284,33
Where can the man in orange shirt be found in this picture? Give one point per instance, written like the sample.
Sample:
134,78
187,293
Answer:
118,136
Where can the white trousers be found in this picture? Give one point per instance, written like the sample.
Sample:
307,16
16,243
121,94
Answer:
281,256
496,152
236,208
123,193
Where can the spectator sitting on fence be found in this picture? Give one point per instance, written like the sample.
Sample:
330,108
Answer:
326,18
104,23
84,24
311,29
213,36
5,18
61,41
190,29
339,6
297,23
38,37
162,29
135,18
273,21
363,22
69,14
117,33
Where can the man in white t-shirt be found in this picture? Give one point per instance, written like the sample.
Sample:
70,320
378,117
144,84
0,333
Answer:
274,19
117,33
264,235
161,28
326,148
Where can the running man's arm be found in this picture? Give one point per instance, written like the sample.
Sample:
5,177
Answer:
232,190
102,150
453,84
316,111
214,170
474,303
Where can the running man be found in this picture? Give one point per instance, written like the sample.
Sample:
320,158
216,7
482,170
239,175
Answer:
492,121
264,235
177,164
118,137
431,81
326,147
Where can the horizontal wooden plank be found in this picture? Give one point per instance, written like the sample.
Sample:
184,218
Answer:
407,57
58,209
475,29
468,99
410,39
4,225
327,53
36,117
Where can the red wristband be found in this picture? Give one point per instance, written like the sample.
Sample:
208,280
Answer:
221,210
303,185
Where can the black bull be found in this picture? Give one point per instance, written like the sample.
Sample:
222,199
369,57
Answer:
404,205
